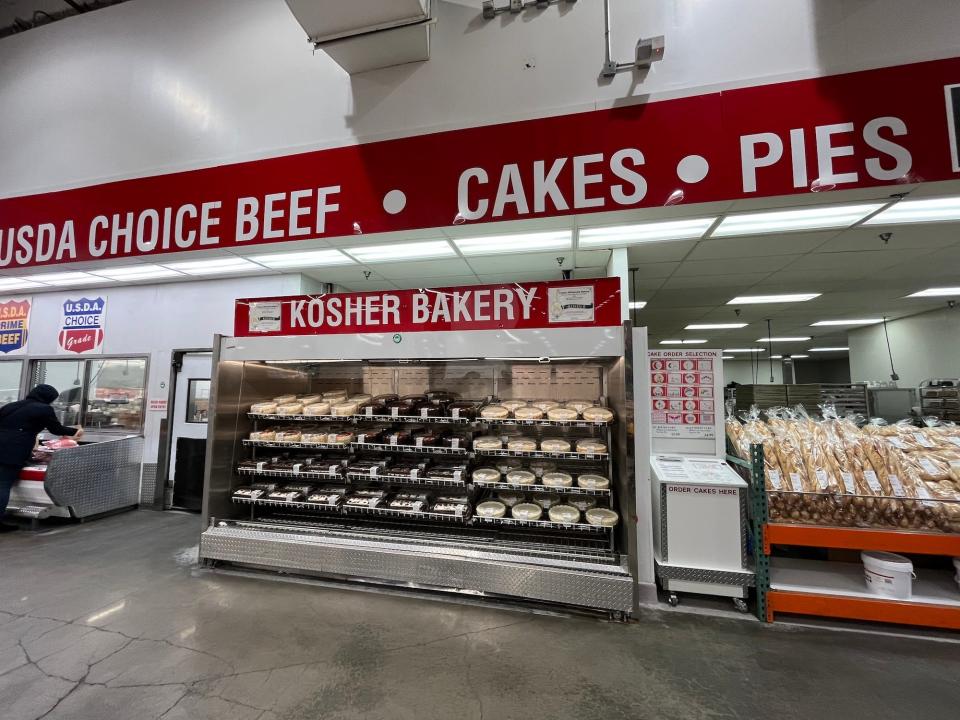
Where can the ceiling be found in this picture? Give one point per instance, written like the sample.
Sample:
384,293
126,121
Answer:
858,274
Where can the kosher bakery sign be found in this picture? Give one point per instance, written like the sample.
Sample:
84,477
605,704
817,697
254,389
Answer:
876,127
562,304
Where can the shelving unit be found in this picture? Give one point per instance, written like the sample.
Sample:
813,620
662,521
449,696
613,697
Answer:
938,398
848,398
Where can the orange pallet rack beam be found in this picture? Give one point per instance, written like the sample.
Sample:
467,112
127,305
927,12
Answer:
851,608
860,539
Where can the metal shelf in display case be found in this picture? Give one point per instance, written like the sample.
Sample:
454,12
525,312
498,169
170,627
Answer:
387,479
539,488
543,455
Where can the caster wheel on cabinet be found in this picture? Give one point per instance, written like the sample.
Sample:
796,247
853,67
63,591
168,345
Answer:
673,600
741,605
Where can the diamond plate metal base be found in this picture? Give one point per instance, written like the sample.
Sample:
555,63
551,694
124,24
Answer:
97,477
716,577
603,587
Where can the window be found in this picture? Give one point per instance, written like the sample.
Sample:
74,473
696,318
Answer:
10,381
104,395
198,401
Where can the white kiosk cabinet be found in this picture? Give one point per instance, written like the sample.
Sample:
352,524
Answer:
699,502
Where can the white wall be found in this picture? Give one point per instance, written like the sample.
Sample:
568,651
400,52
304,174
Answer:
740,371
154,320
924,346
162,85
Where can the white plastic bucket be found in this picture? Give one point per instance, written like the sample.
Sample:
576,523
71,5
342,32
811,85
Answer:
888,574
956,565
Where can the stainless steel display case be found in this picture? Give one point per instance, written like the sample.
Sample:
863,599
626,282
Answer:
82,482
586,567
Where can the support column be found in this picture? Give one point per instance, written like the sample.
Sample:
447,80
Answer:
619,266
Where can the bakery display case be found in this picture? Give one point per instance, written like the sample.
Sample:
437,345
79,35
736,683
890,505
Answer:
486,463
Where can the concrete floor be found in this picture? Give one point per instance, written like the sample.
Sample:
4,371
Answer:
105,621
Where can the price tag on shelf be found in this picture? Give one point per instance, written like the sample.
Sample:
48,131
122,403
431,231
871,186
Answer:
871,477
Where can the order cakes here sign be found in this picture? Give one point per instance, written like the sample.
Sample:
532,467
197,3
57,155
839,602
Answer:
562,304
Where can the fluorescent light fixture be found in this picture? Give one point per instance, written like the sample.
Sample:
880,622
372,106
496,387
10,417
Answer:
402,251
828,349
871,321
136,272
310,258
783,339
798,357
18,284
217,266
527,242
716,326
683,342
776,357
68,278
739,350
814,218
622,235
638,305
919,211
936,292
769,299
727,357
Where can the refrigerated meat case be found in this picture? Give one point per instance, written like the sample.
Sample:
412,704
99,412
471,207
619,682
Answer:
580,564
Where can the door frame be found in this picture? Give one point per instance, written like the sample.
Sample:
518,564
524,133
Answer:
165,446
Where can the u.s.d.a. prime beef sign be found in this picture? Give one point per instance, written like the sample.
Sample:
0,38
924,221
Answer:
562,304
876,127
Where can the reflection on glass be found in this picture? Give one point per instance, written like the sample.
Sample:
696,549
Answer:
115,391
9,381
67,377
198,401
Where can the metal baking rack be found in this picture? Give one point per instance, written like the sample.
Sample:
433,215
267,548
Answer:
289,505
541,454
424,450
538,488
543,525
296,445
287,418
544,422
415,419
303,474
405,480
417,515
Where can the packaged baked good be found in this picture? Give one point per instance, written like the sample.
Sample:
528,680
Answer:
544,404
426,437
463,409
528,413
491,509
409,502
597,414
521,477
453,472
340,437
328,495
292,408
450,507
564,514
557,479
592,447
384,399
578,405
317,408
454,442
429,410
373,436
602,517
522,444
591,481
494,412
264,408
547,500
554,445
308,399
510,497
526,511
583,503
540,467
506,464
342,409
372,408
249,492
486,475
513,405
359,398
284,495
261,435
487,442
441,396
414,399
335,395
289,436
284,399
562,413
365,498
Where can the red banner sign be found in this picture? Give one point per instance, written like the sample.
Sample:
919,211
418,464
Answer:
570,303
876,127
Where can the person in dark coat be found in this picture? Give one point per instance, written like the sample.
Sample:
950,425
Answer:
20,422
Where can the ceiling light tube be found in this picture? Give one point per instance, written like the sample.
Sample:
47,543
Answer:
746,350
936,292
825,323
19,284
683,342
829,349
716,326
624,235
310,258
727,357
68,278
798,357
521,243
919,211
133,273
771,299
217,266
777,221
430,250
783,339
638,305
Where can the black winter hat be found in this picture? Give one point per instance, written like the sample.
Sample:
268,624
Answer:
44,393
